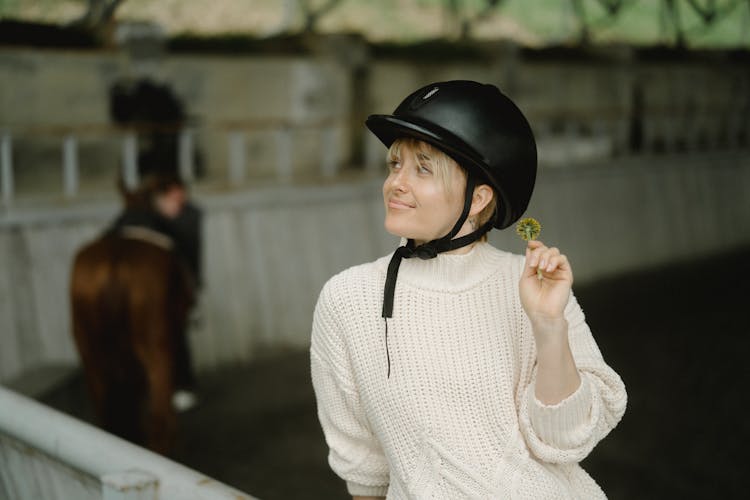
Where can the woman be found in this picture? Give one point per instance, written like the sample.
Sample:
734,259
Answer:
451,369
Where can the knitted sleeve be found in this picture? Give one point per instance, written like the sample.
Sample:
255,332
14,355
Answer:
567,432
355,454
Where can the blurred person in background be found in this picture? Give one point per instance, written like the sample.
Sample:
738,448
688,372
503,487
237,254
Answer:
161,201
159,210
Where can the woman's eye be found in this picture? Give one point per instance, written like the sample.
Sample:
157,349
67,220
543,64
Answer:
424,169
394,165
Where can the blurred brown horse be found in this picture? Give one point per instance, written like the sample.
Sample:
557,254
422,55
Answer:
131,295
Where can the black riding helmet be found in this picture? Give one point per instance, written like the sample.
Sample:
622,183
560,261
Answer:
480,128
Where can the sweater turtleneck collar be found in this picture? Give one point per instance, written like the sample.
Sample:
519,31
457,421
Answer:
451,271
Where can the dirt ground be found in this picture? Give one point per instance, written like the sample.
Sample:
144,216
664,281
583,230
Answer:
678,336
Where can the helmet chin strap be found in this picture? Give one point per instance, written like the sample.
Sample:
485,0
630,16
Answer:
431,249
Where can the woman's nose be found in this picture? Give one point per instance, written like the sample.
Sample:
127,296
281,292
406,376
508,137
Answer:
399,180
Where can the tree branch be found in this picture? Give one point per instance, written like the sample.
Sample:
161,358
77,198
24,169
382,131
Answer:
484,13
312,16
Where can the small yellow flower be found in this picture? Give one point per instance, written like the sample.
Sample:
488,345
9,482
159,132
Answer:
528,228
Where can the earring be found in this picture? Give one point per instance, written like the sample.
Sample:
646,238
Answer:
473,223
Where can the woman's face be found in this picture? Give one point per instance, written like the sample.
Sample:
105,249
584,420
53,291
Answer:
170,202
417,204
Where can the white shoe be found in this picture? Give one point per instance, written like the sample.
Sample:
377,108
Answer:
183,400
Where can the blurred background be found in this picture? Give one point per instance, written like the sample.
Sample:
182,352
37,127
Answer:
641,111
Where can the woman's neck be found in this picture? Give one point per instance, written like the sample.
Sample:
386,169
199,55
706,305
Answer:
467,228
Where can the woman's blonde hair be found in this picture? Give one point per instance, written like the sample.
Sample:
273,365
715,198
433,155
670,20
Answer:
442,167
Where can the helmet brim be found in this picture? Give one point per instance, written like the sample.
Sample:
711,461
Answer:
388,128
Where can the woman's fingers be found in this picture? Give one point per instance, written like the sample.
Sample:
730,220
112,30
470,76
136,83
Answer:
547,257
533,250
556,262
538,254
544,258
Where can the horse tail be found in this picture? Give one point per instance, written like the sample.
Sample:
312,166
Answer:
112,307
102,327
127,380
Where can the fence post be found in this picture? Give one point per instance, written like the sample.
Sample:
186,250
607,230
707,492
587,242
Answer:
186,146
70,166
236,157
329,143
6,167
130,160
284,167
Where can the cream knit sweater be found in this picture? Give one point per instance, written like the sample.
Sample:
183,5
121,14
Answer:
457,418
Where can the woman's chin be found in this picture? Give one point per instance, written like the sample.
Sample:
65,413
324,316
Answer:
397,230
403,232
395,233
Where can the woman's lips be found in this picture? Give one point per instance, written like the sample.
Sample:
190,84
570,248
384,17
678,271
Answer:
398,204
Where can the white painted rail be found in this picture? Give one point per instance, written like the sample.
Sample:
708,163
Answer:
47,454
239,160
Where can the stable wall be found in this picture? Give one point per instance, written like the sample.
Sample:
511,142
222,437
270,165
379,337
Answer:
300,117
642,162
46,96
269,251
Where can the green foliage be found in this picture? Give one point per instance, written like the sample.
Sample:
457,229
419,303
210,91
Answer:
9,8
636,22
695,23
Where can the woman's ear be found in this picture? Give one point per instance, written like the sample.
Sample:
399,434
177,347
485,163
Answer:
483,194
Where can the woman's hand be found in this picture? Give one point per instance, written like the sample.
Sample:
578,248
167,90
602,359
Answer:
544,301
545,298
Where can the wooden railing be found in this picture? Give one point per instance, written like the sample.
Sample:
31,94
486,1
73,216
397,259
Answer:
46,454
236,134
601,133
